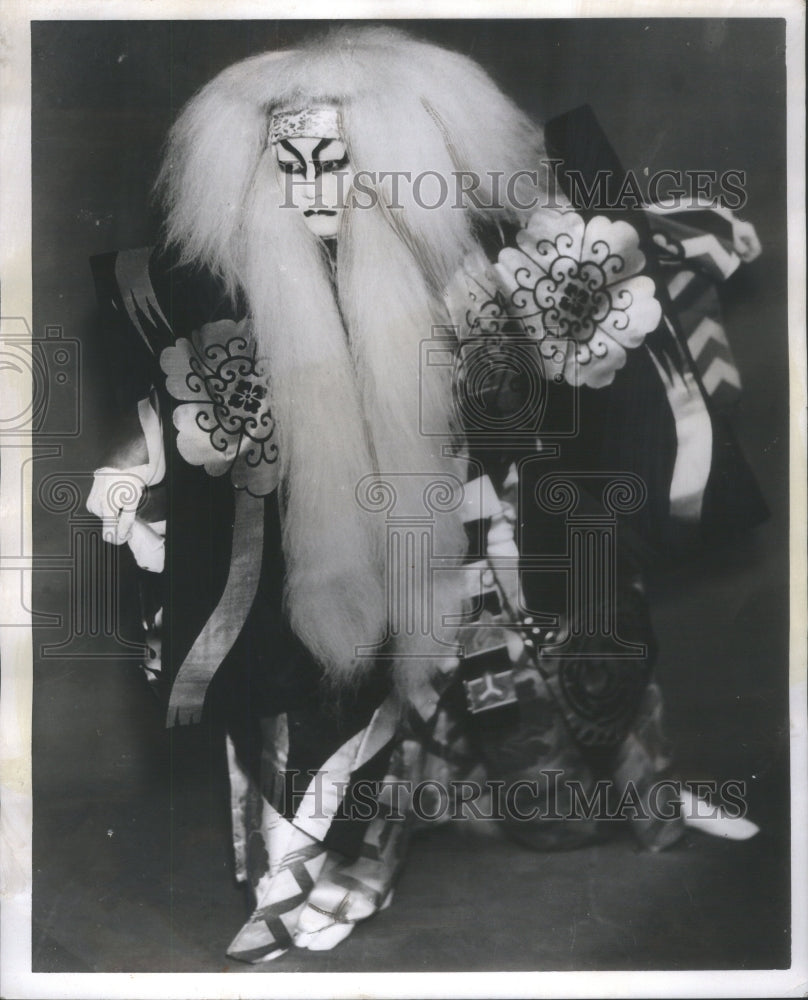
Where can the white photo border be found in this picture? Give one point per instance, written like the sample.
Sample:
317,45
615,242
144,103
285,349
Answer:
16,979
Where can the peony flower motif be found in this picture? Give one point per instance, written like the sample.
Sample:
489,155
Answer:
577,288
224,420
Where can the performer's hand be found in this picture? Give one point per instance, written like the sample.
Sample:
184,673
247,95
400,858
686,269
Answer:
745,241
115,498
148,544
516,645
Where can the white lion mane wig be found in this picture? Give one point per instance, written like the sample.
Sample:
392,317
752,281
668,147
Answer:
344,352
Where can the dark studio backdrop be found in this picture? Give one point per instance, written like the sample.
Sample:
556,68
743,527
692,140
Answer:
131,858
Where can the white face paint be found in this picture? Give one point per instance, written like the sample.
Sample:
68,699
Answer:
317,180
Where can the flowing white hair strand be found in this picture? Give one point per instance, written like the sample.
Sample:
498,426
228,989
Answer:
347,387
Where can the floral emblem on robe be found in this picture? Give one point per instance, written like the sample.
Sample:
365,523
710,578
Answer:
576,287
223,419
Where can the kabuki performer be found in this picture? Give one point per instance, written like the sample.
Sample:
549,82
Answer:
401,424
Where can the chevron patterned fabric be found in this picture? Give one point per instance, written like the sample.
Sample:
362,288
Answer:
696,252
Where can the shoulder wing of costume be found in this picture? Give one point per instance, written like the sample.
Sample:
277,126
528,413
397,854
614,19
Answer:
124,286
133,328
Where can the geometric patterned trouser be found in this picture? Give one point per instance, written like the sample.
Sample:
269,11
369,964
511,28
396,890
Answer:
305,895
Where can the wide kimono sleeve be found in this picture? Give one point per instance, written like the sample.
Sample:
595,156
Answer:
603,328
674,428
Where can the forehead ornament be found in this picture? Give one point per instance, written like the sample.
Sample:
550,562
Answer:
322,122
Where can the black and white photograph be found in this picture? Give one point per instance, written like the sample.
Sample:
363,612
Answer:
403,529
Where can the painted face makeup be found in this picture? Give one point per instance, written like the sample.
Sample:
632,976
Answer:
317,179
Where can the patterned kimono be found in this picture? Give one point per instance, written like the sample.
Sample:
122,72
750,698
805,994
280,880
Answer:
587,426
